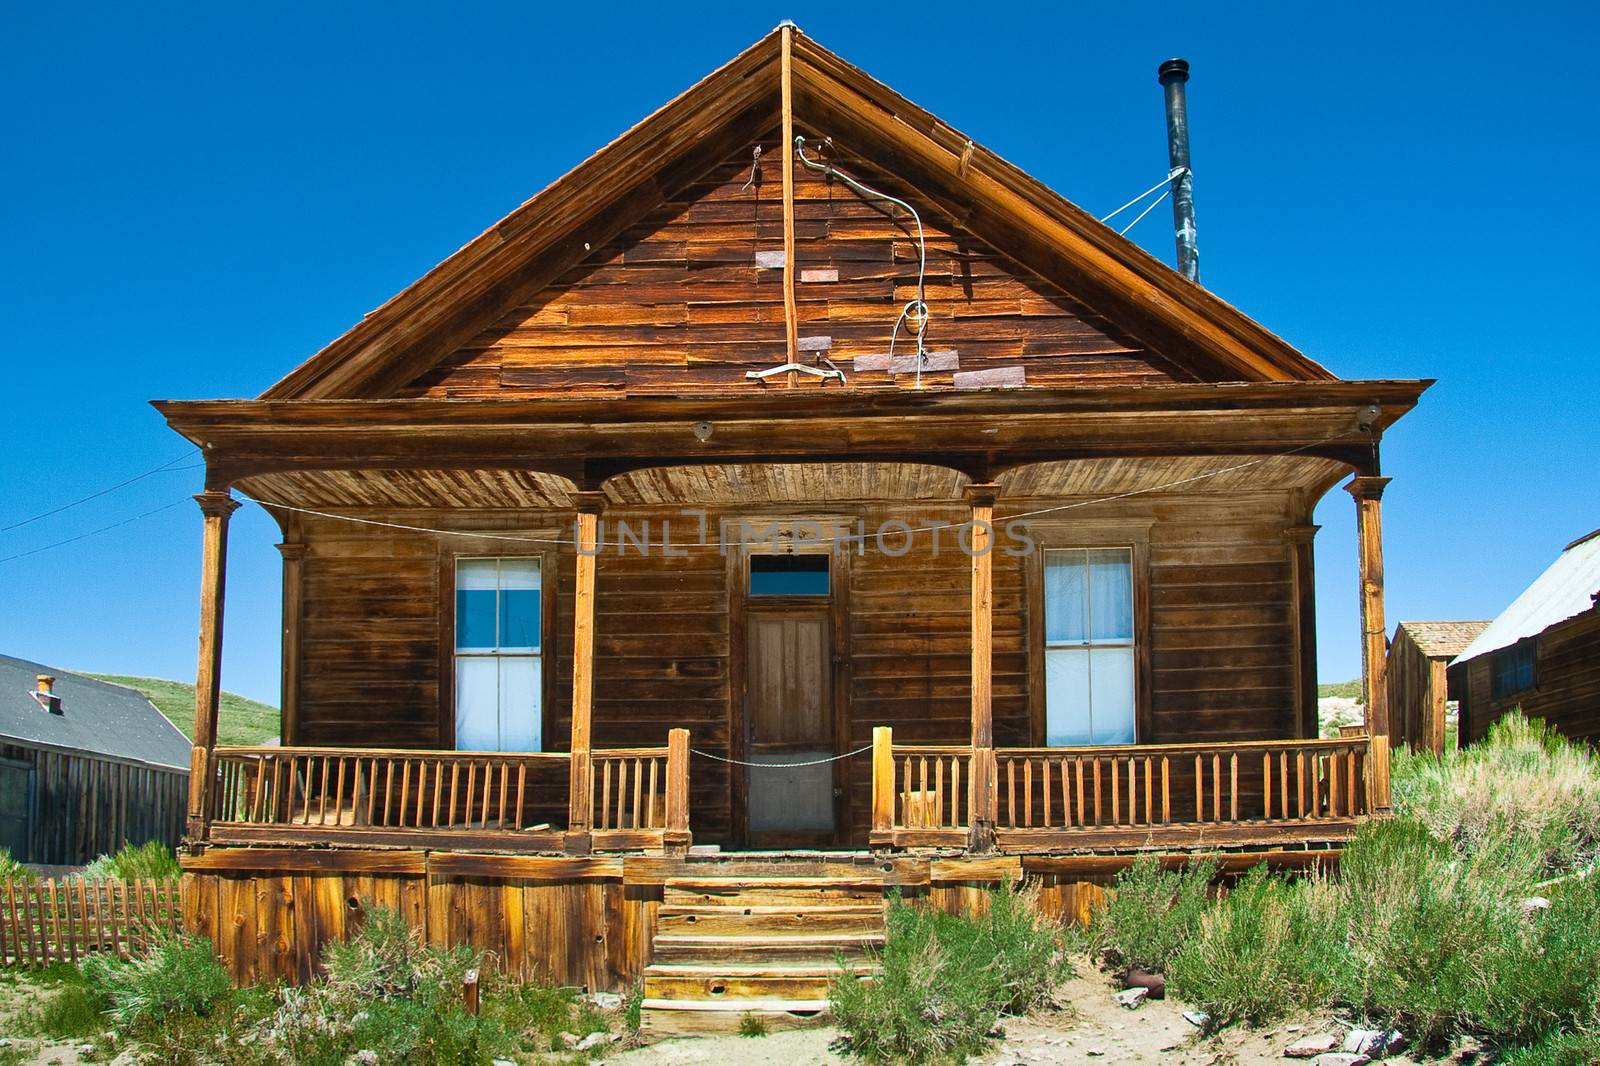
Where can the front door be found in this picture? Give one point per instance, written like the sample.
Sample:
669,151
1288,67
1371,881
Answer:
789,718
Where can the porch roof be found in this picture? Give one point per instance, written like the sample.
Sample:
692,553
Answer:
588,444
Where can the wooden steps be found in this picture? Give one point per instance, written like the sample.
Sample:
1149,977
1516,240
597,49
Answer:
763,941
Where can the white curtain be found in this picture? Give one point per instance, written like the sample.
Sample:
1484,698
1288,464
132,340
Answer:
1089,661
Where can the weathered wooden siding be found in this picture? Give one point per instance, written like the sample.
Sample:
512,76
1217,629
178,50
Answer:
1218,658
678,301
84,807
1566,690
560,921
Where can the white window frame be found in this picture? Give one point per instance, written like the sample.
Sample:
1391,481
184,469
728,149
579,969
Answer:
498,653
1089,643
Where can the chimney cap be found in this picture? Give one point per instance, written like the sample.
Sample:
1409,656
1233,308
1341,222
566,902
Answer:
46,682
1173,70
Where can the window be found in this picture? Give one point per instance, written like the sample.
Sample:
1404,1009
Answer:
1512,670
788,575
1088,635
498,668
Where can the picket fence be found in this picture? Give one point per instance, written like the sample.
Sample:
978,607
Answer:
65,920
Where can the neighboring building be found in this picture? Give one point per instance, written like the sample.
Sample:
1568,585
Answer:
85,767
1541,654
689,337
1415,680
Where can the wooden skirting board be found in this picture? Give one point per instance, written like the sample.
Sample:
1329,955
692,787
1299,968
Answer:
592,922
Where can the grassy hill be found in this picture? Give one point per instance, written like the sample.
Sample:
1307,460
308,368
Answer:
239,720
1350,690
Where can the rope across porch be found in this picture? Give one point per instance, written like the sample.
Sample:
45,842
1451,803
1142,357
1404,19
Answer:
782,765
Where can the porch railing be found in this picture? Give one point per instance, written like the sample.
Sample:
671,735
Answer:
500,799
1128,795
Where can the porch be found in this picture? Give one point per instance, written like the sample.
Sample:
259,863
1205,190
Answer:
1041,800
662,704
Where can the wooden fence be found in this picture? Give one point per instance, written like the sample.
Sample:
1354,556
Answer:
65,920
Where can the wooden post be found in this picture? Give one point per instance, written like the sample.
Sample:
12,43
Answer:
677,835
882,779
580,801
1368,493
294,553
216,505
791,315
1378,775
1302,558
981,545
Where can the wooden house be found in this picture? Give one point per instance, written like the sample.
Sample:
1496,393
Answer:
1541,654
1416,683
85,767
795,476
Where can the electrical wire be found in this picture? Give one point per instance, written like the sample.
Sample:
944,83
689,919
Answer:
1172,175
1157,202
166,467
93,532
918,306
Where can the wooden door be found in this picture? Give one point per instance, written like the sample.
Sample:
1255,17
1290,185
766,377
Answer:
16,779
789,719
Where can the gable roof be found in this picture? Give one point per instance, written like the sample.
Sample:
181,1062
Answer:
97,717
1441,640
1565,589
551,231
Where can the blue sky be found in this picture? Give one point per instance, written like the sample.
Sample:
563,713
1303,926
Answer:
199,198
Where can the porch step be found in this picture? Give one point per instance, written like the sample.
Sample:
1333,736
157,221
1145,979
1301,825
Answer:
661,1018
764,941
732,884
768,920
712,983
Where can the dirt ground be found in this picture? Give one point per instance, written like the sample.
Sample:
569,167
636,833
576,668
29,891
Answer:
1090,1030
15,992
1093,1030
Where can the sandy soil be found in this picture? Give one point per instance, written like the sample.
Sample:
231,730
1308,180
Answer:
14,993
1092,1030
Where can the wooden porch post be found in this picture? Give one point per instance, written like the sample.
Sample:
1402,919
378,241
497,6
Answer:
1368,493
677,836
1302,558
981,543
882,779
294,553
216,505
580,798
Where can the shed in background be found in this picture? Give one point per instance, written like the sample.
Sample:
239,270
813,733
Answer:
1416,680
1541,654
85,767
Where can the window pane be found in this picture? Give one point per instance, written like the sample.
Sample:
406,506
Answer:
1110,595
1111,695
1066,686
519,703
519,619
474,618
1064,596
476,574
788,575
477,703
519,573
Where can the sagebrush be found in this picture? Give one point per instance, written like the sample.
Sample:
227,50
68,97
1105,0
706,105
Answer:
1441,921
944,980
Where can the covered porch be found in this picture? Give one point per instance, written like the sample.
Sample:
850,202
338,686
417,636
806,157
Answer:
935,722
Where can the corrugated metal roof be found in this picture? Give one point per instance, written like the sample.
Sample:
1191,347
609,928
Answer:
1442,640
1565,589
98,717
